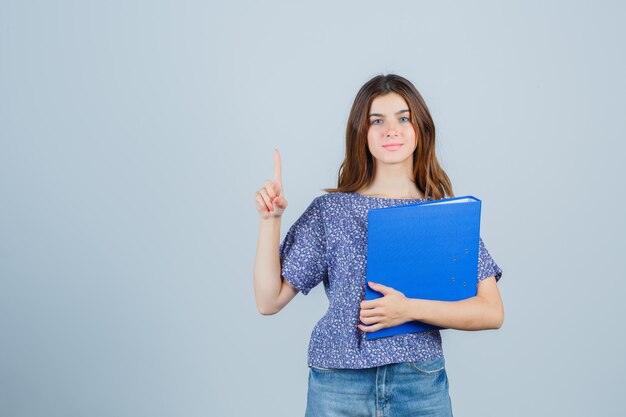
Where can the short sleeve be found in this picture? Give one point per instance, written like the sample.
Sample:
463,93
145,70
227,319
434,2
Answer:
486,265
303,250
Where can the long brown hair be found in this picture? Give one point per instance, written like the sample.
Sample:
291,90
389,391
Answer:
357,169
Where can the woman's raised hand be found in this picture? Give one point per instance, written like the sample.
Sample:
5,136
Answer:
270,200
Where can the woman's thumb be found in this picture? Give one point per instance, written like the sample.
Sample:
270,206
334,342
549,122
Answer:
280,201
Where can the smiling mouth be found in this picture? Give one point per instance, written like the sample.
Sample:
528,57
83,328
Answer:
393,147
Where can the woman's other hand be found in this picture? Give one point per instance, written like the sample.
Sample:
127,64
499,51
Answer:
390,310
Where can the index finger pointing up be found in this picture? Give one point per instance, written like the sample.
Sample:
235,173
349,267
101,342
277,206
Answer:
277,176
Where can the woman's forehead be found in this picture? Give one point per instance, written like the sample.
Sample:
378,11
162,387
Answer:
389,103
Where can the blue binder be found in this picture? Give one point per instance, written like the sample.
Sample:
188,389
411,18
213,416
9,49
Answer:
425,250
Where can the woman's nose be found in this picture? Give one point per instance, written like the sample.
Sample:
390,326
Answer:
391,131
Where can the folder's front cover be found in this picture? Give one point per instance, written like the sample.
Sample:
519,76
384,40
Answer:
425,250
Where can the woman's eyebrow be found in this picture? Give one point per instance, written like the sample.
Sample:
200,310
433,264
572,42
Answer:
382,115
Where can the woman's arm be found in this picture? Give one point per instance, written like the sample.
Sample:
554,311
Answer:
481,312
271,290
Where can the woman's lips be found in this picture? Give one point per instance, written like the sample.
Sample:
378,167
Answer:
393,146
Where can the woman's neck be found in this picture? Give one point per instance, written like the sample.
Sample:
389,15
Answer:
409,190
393,181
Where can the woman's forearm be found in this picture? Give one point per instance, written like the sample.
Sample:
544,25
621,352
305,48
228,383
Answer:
267,277
474,313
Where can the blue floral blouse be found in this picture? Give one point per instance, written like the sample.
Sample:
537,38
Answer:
328,243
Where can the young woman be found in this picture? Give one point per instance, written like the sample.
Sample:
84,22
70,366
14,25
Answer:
390,160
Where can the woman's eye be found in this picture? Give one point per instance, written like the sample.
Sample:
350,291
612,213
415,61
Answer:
376,121
404,119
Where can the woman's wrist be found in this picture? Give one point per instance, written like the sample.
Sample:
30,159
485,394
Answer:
414,309
271,219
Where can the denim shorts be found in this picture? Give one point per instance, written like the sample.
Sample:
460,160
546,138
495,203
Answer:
395,390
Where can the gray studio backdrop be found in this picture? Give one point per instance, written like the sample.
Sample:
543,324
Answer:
134,135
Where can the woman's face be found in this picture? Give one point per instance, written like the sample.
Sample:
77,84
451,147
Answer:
391,137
